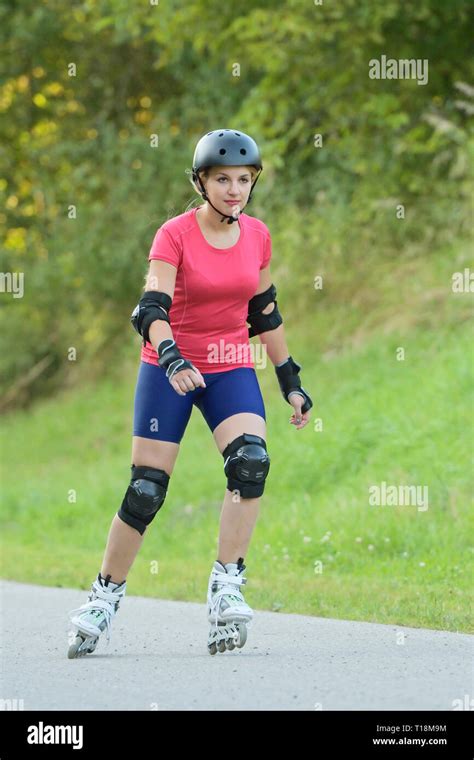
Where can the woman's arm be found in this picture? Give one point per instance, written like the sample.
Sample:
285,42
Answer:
162,277
273,340
275,343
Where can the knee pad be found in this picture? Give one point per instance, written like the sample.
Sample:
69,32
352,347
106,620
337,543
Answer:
246,464
144,497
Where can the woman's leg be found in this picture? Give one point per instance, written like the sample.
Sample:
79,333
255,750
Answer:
124,541
160,419
238,517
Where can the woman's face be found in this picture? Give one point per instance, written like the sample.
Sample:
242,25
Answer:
229,183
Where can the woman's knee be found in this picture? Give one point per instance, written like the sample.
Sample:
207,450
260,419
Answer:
241,441
152,465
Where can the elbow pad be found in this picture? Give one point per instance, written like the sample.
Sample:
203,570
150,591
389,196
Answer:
152,305
260,322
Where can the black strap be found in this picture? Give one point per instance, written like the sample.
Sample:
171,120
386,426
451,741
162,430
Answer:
260,322
150,473
158,297
241,440
259,301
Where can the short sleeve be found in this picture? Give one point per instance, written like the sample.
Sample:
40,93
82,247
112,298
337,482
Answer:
166,248
267,251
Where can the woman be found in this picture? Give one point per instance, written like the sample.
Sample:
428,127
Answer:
209,274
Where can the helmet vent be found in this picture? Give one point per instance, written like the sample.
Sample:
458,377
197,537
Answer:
243,151
222,151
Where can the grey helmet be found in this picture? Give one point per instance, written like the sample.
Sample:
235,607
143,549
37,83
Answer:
225,147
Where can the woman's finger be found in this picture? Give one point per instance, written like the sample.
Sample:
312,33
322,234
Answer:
188,383
200,380
176,387
302,421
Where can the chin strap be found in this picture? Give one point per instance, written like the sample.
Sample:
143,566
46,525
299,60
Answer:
230,219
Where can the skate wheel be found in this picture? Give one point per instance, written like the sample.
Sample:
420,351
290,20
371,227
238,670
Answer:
242,635
222,637
74,649
80,647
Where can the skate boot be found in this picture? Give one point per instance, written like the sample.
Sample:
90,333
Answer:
227,610
94,616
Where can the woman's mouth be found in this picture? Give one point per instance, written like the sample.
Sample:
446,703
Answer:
233,203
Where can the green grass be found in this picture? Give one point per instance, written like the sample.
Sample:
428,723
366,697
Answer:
403,422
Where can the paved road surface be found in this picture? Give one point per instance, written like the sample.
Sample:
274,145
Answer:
158,660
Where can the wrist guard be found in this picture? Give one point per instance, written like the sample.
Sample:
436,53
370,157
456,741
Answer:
290,382
170,359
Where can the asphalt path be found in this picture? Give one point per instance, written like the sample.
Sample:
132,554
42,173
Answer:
157,659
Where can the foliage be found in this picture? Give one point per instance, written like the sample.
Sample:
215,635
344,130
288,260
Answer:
169,69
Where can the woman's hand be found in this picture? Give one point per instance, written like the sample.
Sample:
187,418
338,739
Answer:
187,380
298,419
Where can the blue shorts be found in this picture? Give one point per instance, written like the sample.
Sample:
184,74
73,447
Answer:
162,414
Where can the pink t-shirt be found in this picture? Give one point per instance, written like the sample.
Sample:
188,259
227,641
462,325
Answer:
208,315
